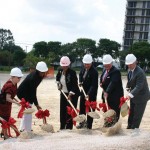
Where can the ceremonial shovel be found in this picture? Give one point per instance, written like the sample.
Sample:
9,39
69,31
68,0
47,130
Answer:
78,118
109,112
125,108
13,127
92,114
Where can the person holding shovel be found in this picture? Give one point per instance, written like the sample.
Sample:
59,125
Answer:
8,92
88,80
138,91
67,82
111,84
27,90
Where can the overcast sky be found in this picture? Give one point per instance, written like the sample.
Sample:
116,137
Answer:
32,21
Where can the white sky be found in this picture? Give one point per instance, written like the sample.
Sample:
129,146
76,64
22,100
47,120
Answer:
32,21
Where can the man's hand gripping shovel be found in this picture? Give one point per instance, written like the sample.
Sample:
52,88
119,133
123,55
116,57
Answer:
92,114
78,118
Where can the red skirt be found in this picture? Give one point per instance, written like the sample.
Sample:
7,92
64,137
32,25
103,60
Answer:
5,110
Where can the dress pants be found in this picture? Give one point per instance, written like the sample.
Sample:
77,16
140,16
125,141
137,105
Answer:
26,122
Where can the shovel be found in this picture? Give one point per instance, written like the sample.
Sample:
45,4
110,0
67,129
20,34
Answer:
124,108
109,112
78,118
92,114
12,126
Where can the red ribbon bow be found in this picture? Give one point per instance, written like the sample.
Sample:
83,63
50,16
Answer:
103,106
122,101
92,104
10,123
42,114
24,105
87,105
72,113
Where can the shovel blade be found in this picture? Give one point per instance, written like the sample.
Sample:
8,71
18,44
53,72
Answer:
79,118
109,113
124,110
94,115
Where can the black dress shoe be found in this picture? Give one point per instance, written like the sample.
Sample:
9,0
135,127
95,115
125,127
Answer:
2,135
129,127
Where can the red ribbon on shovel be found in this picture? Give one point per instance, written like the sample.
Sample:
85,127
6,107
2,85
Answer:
103,106
87,105
10,124
42,114
91,104
122,101
72,113
94,105
24,105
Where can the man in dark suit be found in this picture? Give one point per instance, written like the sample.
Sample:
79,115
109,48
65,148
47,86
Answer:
138,93
111,83
88,78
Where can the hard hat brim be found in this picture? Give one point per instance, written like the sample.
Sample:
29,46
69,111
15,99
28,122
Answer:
44,70
85,62
107,63
64,65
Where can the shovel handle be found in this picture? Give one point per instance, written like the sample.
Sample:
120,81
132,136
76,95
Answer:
69,102
85,95
106,103
83,91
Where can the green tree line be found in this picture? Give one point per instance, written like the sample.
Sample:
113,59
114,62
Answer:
51,52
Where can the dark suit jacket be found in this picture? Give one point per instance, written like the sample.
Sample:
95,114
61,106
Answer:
113,85
139,86
28,87
71,80
90,83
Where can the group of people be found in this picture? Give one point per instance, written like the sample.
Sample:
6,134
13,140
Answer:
86,86
26,90
112,89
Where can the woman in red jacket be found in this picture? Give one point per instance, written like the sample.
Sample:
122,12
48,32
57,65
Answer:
9,91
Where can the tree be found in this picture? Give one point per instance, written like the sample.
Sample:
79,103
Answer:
84,46
142,51
5,58
18,56
6,38
40,49
54,49
31,60
106,46
70,51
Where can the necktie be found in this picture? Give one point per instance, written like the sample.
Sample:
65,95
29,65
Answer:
85,73
105,75
130,74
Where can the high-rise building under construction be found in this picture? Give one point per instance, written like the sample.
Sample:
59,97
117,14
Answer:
137,22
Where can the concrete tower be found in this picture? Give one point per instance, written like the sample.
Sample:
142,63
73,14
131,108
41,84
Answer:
137,22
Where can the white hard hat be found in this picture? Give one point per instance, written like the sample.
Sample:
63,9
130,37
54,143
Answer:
130,59
65,61
16,72
87,59
107,59
41,66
